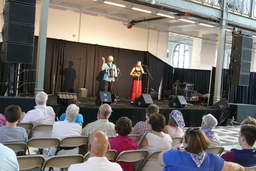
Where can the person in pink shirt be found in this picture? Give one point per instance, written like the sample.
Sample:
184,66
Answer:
123,142
2,120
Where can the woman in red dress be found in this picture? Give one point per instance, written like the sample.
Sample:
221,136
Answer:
136,73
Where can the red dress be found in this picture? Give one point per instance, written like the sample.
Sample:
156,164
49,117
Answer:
136,90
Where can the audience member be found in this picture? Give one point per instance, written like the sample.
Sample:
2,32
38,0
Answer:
246,139
98,146
194,158
123,142
155,141
143,127
42,114
249,120
175,124
66,128
8,159
102,123
10,132
79,118
208,123
2,119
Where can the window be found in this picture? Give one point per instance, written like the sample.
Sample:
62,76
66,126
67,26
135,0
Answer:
181,56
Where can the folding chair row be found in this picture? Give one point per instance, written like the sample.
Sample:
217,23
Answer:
42,143
33,161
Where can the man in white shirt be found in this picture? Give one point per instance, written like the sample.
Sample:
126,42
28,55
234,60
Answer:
98,146
42,114
102,123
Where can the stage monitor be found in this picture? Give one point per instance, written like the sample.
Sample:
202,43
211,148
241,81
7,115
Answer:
178,102
143,101
103,97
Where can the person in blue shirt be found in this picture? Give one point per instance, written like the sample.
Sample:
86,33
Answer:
79,118
194,158
110,72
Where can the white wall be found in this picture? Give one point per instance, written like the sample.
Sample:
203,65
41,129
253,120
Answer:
80,27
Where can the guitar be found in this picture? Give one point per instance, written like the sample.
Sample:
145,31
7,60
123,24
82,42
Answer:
137,74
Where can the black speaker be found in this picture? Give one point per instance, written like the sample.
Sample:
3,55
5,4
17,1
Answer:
178,102
25,103
18,31
103,97
240,60
143,101
221,105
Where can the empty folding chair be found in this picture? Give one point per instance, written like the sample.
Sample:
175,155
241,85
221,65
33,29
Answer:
215,150
42,143
30,162
62,161
251,168
43,129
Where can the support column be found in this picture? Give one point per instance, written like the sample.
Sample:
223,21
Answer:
221,54
42,46
196,53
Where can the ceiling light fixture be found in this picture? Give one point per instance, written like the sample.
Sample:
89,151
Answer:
206,25
115,4
228,30
188,21
254,36
141,10
164,15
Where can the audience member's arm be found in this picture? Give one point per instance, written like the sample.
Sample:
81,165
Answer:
161,160
232,166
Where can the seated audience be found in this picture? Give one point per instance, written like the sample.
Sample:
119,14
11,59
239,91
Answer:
2,119
66,128
102,123
10,132
123,142
42,114
247,156
175,124
143,127
194,158
8,159
98,146
155,140
208,123
79,118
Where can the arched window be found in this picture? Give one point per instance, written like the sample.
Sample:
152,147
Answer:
181,56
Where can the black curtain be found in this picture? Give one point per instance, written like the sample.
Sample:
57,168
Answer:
200,78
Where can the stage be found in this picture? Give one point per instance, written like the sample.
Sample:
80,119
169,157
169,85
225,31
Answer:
192,113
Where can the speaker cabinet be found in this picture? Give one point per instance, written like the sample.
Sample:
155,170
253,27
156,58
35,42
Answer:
178,102
103,97
221,105
18,31
240,60
143,101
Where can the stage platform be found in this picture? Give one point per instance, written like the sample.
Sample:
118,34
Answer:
192,113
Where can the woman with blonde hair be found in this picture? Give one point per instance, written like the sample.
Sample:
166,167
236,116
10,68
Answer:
136,73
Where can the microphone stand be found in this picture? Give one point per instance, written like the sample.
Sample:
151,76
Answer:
147,69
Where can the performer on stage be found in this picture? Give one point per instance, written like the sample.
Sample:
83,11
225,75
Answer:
110,72
136,72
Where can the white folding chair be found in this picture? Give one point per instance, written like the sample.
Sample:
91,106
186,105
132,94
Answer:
17,147
30,161
215,150
42,143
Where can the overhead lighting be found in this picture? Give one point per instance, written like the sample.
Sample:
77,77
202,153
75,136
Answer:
188,21
254,36
206,25
164,15
115,4
228,30
141,10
